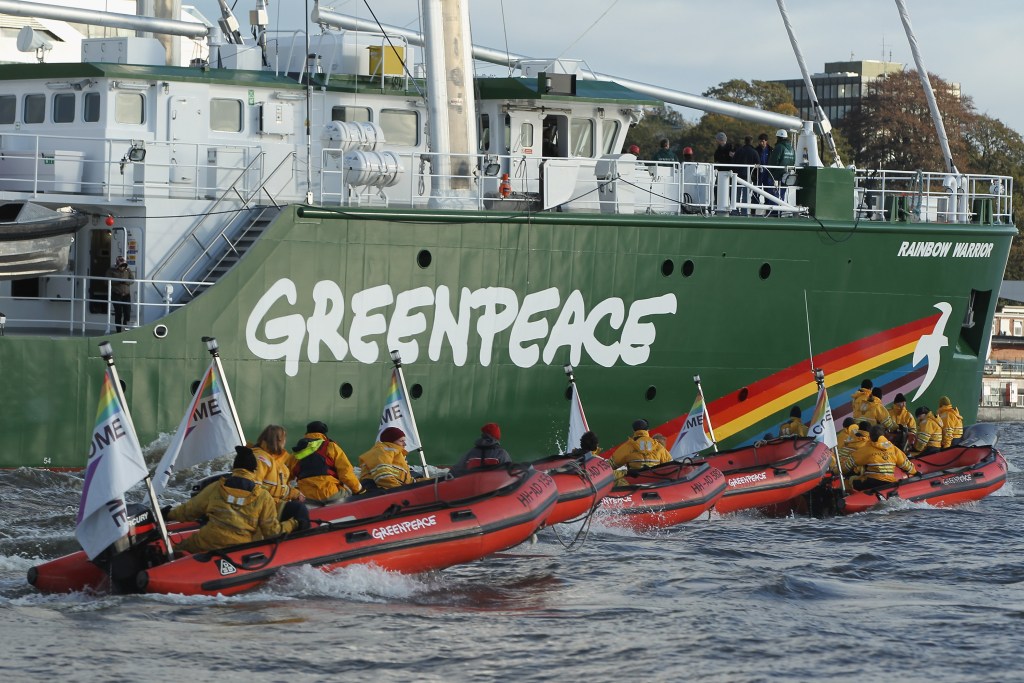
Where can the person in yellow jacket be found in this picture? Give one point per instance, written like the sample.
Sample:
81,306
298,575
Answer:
875,462
873,411
929,432
384,466
952,423
851,437
640,450
860,396
900,415
795,426
237,509
322,471
273,470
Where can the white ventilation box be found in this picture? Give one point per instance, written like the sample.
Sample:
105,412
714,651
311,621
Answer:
128,50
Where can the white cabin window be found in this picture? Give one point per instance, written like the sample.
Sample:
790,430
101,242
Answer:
129,107
91,107
401,127
8,105
226,115
582,136
35,109
609,134
342,113
526,135
483,133
64,107
1018,330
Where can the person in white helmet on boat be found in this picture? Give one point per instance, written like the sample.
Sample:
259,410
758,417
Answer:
781,157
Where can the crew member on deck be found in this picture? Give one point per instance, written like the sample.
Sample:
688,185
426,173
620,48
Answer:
795,426
486,452
322,469
952,423
929,432
875,463
873,410
237,509
848,440
640,450
384,466
900,415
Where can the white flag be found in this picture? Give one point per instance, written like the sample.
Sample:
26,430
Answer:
207,431
115,465
577,420
398,413
693,437
823,427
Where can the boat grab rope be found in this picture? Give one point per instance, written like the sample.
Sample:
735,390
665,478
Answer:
587,519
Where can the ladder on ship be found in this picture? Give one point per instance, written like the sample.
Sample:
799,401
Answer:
227,244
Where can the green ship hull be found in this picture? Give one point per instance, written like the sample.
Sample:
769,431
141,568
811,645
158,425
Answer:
486,309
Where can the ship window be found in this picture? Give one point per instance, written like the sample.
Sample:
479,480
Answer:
35,109
64,107
582,134
226,115
91,107
609,134
8,104
129,108
484,133
400,127
526,135
350,114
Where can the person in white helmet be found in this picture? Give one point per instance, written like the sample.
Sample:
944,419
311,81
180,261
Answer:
782,155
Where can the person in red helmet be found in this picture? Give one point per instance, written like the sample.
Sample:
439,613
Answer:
385,466
687,154
634,150
486,452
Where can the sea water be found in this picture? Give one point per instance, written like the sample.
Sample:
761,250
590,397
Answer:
906,592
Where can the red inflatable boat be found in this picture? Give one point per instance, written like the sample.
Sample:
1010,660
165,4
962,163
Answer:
426,526
664,495
581,486
949,477
769,472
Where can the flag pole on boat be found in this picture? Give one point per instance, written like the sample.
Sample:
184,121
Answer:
693,437
823,427
107,353
577,418
396,358
707,415
214,349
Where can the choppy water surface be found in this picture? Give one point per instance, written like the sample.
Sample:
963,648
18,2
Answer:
906,593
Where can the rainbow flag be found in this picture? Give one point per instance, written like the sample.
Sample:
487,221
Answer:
693,437
823,427
208,430
398,413
115,465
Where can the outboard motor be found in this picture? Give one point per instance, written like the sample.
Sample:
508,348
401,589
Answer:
130,554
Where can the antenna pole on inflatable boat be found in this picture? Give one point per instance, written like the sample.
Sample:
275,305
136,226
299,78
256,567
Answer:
396,358
819,379
707,414
214,349
107,352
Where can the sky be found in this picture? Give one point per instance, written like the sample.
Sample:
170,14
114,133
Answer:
691,46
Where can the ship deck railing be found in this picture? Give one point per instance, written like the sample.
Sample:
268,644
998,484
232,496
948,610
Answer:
84,305
921,196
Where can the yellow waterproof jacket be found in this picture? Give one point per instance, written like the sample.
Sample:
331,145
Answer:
848,440
385,465
929,433
874,412
879,460
340,477
793,428
859,397
238,510
903,418
273,474
640,450
952,425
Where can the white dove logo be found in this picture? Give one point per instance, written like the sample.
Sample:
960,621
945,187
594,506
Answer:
930,346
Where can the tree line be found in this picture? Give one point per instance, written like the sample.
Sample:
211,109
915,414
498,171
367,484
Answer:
891,128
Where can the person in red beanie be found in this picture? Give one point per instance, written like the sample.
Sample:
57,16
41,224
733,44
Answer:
486,452
385,466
